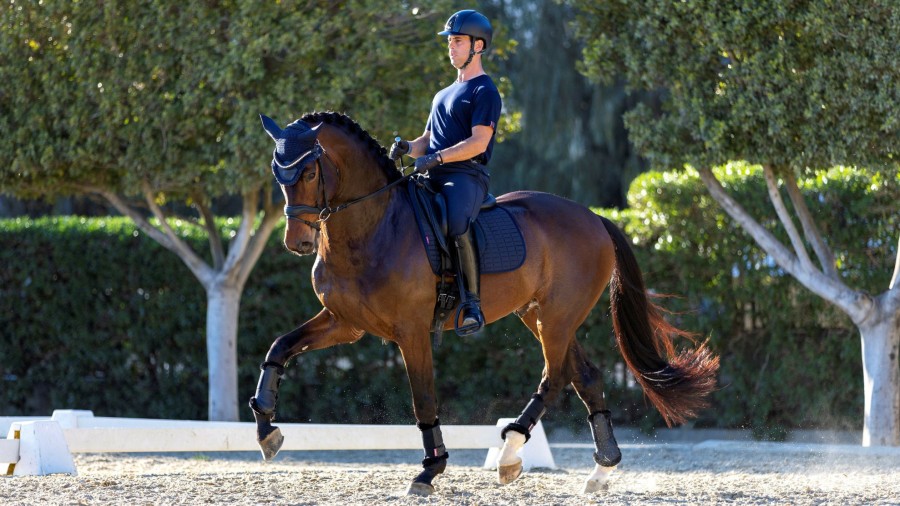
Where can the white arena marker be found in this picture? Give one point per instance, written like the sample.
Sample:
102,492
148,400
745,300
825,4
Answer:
42,449
71,418
9,452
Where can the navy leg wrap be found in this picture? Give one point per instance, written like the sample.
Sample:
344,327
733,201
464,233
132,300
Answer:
607,454
436,454
433,441
530,416
267,389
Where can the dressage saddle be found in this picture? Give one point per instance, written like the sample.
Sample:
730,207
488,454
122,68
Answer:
500,245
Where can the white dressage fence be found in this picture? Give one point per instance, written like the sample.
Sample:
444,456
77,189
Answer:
44,445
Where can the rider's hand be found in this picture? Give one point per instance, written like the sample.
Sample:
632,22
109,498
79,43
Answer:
428,162
398,149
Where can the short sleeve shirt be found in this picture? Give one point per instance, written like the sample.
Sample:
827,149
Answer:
458,108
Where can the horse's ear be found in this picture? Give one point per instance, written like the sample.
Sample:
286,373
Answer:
309,135
271,127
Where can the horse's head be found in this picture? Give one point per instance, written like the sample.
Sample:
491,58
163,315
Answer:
297,168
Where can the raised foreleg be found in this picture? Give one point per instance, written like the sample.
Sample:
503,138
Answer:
323,331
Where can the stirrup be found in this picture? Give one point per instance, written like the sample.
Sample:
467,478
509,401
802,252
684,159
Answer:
473,313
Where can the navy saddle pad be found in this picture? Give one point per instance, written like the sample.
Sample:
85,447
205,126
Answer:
501,247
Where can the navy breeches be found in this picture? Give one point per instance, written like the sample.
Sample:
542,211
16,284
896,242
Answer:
463,192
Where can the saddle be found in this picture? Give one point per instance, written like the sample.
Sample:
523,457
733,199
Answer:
500,245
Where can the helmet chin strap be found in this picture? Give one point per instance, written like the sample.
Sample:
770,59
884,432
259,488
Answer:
472,53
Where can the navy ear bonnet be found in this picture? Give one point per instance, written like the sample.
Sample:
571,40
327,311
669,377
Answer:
295,148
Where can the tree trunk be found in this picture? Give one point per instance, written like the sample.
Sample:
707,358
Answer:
881,375
878,318
224,281
223,307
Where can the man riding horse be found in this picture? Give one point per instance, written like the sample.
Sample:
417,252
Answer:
345,204
456,147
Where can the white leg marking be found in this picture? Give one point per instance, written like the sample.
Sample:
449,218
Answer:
514,442
598,480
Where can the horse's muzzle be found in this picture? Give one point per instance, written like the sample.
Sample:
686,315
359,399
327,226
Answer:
302,247
301,240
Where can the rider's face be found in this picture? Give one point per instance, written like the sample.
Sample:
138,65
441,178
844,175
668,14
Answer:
458,46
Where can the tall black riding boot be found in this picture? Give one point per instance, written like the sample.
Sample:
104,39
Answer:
472,318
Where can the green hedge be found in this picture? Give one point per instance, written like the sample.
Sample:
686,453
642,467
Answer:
96,316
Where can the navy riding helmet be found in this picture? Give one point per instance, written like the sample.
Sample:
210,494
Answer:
471,23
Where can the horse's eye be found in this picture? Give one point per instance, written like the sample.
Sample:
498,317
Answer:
309,175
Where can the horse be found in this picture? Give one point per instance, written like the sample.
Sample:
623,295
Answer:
345,202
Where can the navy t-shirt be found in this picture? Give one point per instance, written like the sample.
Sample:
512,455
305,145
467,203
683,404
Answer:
458,108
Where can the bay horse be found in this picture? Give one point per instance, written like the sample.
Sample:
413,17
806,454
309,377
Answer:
345,203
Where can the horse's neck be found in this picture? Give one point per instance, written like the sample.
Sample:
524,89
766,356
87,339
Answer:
363,231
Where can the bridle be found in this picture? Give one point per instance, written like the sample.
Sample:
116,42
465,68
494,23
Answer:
324,211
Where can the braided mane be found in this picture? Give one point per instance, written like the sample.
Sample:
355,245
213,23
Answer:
348,126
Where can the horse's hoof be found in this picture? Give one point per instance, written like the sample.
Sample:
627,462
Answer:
421,489
598,481
508,473
591,486
271,444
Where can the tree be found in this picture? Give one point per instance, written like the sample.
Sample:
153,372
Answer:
572,141
792,86
154,107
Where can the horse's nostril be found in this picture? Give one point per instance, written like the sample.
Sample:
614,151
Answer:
301,247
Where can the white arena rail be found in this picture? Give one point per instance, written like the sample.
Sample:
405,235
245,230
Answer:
43,445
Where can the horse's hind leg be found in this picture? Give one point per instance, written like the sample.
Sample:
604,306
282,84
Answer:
555,338
588,383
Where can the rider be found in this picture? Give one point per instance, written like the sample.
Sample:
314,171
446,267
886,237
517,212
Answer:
456,147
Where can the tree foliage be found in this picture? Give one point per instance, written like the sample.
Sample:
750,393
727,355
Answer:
572,140
788,83
114,93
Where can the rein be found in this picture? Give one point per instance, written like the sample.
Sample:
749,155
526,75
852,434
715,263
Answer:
325,212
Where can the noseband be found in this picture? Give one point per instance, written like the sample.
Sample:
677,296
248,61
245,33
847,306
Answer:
325,211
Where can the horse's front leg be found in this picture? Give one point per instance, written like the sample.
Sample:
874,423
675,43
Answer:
323,331
419,367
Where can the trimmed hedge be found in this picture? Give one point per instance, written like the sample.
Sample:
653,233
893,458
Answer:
96,316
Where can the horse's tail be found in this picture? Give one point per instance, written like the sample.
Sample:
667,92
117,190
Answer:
677,383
